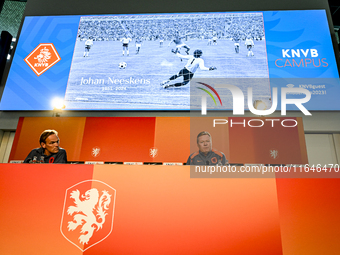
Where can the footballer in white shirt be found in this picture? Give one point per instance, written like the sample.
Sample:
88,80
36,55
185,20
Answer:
88,45
125,41
194,62
250,44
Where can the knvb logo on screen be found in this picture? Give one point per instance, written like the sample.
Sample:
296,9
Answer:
42,58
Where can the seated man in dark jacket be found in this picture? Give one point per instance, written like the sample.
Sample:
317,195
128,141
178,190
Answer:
205,154
49,152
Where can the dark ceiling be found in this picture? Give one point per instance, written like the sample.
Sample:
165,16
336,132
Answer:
334,6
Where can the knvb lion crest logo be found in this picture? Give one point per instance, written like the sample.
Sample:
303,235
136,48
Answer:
153,152
88,213
274,153
95,152
42,58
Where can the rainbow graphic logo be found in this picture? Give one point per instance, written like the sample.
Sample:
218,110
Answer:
209,93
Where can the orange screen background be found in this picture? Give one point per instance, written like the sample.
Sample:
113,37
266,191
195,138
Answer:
161,210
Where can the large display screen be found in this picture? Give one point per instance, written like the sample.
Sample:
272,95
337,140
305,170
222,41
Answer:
125,62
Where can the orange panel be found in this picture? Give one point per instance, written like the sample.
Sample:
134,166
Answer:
172,139
157,210
161,210
118,139
32,200
309,215
16,138
70,133
255,144
242,143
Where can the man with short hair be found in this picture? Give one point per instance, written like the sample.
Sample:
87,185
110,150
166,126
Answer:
138,44
49,152
206,155
250,44
237,43
179,44
88,45
125,41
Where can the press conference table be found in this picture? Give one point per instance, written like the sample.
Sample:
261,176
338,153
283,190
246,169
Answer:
127,209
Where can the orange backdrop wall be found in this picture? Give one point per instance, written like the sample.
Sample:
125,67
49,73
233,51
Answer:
161,210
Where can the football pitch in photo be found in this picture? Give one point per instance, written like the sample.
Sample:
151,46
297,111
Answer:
101,80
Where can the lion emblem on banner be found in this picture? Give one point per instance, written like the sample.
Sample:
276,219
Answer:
89,212
43,56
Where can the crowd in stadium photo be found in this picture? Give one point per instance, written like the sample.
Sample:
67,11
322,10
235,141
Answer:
155,27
